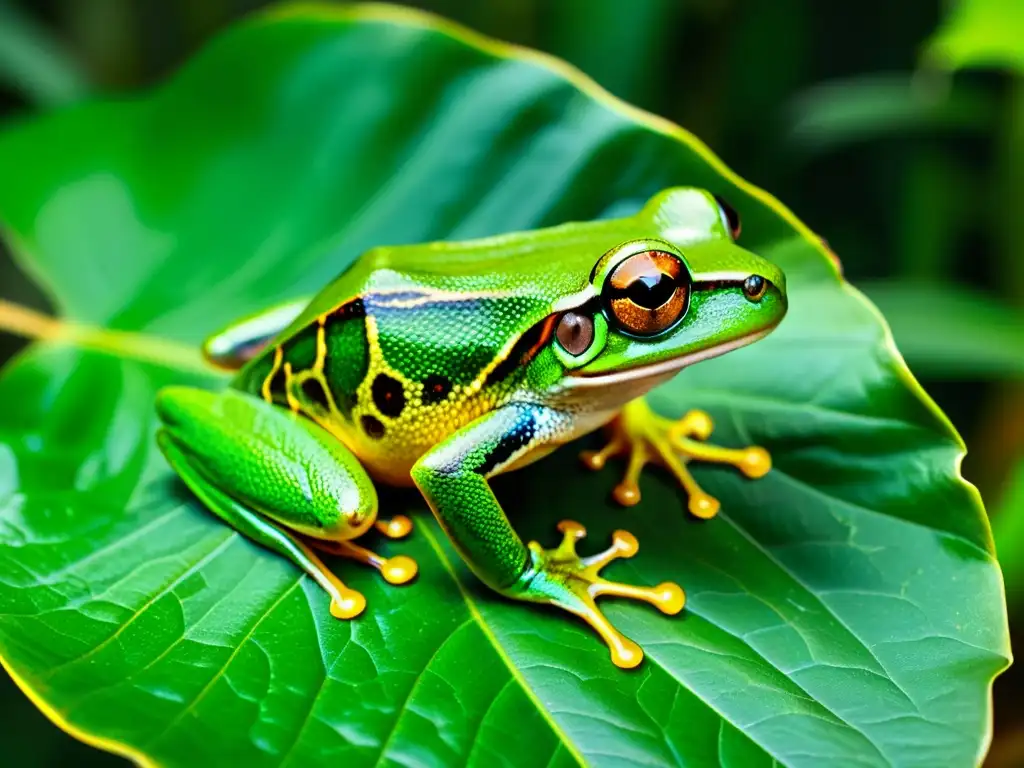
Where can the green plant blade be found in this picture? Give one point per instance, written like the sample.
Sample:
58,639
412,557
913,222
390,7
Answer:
845,608
843,112
950,331
979,33
34,64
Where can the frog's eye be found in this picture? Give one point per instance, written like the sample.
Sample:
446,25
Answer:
648,292
754,287
730,218
575,332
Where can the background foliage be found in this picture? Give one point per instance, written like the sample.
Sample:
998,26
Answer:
914,174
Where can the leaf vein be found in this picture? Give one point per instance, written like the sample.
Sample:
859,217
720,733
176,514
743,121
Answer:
220,672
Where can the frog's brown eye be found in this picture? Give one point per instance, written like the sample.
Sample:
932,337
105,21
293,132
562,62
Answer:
730,217
648,292
575,332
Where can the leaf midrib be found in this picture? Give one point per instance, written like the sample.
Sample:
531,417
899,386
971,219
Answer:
474,612
219,674
130,345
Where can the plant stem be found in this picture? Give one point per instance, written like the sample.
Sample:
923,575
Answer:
28,323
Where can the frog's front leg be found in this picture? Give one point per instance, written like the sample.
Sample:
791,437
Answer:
234,346
644,437
280,480
453,478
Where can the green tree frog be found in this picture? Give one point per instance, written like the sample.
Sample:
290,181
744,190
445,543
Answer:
445,364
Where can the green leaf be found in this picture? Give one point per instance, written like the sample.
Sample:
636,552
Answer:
584,31
866,108
979,33
34,63
845,608
1008,530
949,330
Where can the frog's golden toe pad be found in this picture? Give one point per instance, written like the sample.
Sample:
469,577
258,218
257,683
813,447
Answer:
348,604
398,527
573,583
644,437
399,570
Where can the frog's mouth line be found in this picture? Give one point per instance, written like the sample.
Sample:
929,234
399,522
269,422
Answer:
664,367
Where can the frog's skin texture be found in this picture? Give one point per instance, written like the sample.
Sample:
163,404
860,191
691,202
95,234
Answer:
442,365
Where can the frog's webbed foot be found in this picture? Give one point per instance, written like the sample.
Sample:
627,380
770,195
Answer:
395,570
645,437
561,577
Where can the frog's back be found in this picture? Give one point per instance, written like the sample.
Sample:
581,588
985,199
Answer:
393,357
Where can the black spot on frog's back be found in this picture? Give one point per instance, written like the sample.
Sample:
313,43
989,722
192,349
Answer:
388,395
436,388
372,427
313,392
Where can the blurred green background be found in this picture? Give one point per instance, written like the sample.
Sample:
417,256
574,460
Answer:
915,177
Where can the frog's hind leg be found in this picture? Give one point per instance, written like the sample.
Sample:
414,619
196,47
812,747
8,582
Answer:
279,478
645,437
346,603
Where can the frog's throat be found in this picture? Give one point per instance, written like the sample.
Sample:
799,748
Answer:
663,369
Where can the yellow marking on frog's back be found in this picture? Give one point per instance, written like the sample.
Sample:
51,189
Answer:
392,422
289,383
389,443
327,417
265,389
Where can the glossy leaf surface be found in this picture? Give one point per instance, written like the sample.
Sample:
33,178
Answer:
846,608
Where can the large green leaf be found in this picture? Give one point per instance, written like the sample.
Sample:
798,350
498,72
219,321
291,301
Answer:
979,33
845,608
948,330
